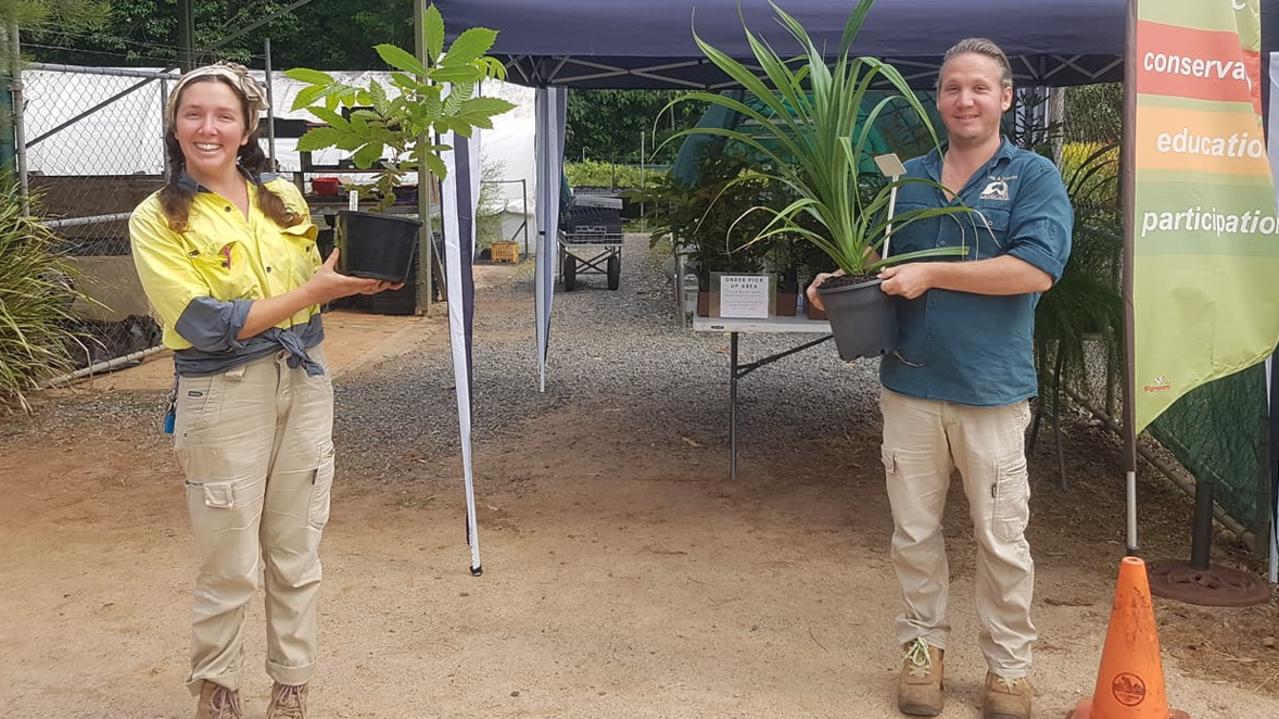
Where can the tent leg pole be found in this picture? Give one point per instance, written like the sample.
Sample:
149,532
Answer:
1132,512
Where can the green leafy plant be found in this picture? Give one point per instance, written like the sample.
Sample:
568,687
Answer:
36,294
438,96
812,139
53,17
1086,302
592,173
699,218
1085,307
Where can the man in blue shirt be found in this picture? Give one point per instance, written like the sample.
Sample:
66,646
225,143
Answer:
956,389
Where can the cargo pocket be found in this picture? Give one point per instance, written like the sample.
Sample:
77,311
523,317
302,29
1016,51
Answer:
321,489
1011,511
889,459
216,495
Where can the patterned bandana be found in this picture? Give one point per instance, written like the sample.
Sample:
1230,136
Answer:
237,75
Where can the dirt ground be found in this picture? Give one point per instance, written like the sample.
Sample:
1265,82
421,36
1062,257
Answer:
624,575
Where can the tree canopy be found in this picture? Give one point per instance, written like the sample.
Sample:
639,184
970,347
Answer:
329,34
605,125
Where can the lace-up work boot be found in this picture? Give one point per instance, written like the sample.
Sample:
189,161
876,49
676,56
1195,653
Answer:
919,688
287,701
217,702
1006,698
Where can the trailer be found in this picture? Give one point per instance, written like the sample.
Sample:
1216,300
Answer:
590,240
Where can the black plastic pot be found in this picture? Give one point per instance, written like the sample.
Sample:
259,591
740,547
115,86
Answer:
862,318
379,247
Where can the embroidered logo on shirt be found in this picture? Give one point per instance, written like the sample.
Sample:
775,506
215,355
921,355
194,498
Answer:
1161,384
996,190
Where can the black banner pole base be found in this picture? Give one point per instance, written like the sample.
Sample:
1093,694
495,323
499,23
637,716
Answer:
477,571
1211,586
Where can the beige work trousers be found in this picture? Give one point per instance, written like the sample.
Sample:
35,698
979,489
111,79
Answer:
924,441
255,444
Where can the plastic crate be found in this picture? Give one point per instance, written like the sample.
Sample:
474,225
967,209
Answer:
505,252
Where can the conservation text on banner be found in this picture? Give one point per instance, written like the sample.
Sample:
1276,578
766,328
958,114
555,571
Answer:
1204,230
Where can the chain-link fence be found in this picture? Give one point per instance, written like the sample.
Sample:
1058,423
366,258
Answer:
93,149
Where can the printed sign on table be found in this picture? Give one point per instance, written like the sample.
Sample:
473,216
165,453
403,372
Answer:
744,296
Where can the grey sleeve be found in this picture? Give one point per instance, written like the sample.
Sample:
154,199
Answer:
213,325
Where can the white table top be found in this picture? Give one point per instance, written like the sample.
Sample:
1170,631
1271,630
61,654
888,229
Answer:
798,324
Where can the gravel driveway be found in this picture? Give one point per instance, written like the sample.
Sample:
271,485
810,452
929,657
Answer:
611,351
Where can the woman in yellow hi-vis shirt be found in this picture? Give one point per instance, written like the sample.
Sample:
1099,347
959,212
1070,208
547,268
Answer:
227,258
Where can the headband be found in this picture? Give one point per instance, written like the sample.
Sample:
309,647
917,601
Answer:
237,75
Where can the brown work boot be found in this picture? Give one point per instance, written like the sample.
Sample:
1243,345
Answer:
217,702
920,684
1006,698
288,701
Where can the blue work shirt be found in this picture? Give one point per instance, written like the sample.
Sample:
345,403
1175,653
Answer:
969,348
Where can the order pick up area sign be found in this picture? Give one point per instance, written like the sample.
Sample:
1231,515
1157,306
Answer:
741,296
1205,237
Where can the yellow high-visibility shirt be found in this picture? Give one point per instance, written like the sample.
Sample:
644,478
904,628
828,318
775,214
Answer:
222,254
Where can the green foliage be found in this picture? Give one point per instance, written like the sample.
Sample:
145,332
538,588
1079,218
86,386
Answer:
1086,302
1094,113
54,15
702,221
1090,170
322,33
35,301
816,142
438,97
606,124
592,173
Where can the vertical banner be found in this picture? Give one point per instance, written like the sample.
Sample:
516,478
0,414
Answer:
1203,232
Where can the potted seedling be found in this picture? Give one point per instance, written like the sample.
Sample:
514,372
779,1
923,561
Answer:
810,132
389,128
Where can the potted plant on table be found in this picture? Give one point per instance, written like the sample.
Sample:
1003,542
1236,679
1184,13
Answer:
698,218
810,133
372,120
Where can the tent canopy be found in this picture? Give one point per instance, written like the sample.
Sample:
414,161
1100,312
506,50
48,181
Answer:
595,44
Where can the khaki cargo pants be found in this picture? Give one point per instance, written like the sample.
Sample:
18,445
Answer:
924,441
256,446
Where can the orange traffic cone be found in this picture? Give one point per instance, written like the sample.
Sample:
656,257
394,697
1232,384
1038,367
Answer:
1130,683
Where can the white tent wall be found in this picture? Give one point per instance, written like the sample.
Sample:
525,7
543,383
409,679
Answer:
510,142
